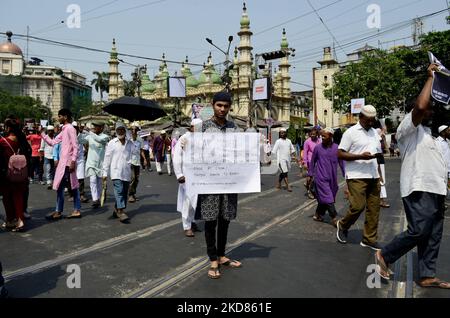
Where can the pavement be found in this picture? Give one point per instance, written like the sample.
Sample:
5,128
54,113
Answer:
283,251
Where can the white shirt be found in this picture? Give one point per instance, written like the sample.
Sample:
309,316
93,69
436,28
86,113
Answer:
445,148
117,160
47,149
423,166
283,148
138,144
357,140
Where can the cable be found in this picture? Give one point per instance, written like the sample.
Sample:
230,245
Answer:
115,12
296,18
84,13
74,46
326,27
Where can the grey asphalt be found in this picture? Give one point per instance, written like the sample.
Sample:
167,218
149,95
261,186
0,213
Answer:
296,257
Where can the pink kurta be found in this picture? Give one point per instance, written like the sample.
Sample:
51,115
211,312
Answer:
69,151
308,149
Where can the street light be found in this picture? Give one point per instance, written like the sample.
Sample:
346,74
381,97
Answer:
136,75
225,77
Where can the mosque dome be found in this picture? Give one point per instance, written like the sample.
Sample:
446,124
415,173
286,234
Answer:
9,47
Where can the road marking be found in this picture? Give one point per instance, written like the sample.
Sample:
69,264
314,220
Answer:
112,242
155,288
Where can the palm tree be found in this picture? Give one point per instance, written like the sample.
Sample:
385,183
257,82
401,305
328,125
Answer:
101,83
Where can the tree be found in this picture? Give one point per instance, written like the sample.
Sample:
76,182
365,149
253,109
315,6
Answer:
101,83
378,77
129,88
22,107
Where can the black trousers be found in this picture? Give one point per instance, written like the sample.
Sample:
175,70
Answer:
215,251
37,168
425,215
283,175
324,207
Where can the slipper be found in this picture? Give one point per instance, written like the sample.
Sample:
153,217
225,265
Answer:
381,267
317,218
19,229
216,273
74,216
436,284
54,216
231,263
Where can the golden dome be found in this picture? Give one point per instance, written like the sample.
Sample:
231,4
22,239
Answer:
9,47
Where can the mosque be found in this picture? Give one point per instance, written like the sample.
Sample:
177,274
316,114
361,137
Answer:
200,89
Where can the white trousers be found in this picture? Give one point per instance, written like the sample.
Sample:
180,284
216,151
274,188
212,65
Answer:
96,187
383,193
187,221
169,162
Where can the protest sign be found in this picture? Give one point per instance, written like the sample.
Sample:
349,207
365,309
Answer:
440,90
357,105
44,123
215,163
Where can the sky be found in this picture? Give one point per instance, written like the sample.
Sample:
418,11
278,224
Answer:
179,28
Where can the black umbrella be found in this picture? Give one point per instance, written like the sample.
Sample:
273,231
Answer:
134,108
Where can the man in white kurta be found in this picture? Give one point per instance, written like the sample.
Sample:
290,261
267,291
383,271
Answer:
97,141
117,164
184,205
444,134
284,149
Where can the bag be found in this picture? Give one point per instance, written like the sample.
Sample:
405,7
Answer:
17,167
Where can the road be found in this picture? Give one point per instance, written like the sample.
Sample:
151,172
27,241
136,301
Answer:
284,252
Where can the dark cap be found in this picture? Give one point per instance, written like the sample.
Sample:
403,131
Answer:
222,97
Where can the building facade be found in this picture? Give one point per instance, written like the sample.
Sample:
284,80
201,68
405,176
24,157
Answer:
54,87
202,88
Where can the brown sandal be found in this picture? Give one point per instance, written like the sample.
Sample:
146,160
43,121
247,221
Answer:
216,272
437,283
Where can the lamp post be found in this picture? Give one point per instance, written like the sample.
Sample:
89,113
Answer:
225,77
136,75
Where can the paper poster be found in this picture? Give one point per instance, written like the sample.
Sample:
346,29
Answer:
44,123
215,163
357,105
440,90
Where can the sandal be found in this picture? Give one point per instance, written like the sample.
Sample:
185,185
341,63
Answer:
54,216
317,218
8,225
216,272
437,283
231,263
74,216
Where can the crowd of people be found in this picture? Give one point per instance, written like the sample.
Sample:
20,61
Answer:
69,154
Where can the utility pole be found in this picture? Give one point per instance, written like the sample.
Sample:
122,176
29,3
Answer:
28,40
417,30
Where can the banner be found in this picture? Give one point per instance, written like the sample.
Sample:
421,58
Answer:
441,81
357,105
261,89
144,133
216,163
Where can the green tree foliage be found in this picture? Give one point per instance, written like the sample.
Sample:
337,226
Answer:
129,88
22,107
388,80
83,106
101,82
379,78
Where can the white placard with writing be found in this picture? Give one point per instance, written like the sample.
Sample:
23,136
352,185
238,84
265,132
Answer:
215,163
357,105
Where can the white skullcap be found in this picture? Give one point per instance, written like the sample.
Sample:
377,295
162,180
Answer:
442,128
74,124
163,132
119,124
196,121
282,129
50,127
369,111
135,125
328,130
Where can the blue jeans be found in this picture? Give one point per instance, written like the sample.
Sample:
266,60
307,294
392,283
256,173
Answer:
49,165
121,193
65,182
